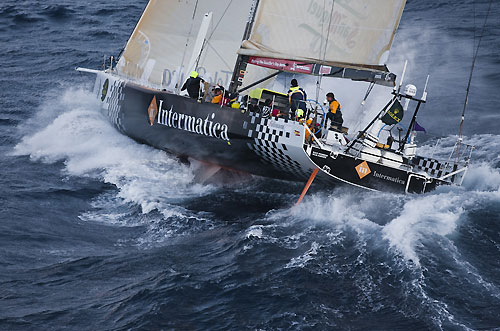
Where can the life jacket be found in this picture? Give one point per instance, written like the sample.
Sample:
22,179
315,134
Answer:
296,98
335,114
310,126
296,93
217,99
334,106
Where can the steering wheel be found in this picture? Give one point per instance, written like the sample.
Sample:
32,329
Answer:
322,109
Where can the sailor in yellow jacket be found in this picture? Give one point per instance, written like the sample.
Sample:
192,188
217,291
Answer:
296,97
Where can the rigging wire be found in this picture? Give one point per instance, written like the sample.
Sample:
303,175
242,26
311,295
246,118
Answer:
318,82
476,51
205,42
178,84
220,56
369,90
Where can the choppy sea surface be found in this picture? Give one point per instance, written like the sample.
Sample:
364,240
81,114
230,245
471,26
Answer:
98,232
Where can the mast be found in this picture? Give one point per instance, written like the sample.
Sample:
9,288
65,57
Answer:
241,62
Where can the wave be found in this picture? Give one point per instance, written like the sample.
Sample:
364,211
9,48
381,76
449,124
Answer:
57,12
8,121
81,137
340,233
23,18
369,242
17,15
102,33
72,130
105,12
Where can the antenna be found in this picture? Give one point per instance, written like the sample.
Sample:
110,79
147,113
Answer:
424,94
402,76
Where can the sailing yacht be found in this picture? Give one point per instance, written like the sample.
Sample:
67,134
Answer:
244,46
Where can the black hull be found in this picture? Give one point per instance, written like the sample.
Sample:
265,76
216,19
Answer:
236,152
370,175
239,141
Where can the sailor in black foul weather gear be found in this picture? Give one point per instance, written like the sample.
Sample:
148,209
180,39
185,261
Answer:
192,85
267,108
296,97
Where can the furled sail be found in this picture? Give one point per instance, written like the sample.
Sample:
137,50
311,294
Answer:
352,34
157,47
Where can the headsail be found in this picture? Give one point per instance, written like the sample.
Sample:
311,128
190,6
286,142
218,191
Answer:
157,47
354,34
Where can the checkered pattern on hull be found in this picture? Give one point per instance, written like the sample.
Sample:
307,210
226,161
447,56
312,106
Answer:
267,145
431,166
262,130
114,100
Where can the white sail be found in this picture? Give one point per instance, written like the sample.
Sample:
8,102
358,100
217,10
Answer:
200,42
354,34
157,47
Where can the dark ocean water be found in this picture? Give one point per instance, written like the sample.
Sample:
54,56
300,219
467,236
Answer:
98,232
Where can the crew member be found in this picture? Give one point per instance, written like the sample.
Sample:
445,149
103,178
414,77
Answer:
299,115
312,130
234,102
218,96
192,85
334,113
267,108
296,97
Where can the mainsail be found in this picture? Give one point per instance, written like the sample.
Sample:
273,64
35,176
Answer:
157,47
342,34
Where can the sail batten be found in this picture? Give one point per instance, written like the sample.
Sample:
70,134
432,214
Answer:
355,34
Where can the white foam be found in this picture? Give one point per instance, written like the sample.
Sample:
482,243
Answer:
421,218
301,261
339,208
482,177
89,145
406,222
255,231
81,137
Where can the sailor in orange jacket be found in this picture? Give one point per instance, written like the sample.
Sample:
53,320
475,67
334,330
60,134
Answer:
309,124
334,113
217,99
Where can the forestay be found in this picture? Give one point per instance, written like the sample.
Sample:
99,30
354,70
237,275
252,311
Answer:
355,34
157,47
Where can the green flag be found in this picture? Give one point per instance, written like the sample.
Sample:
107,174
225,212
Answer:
394,115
